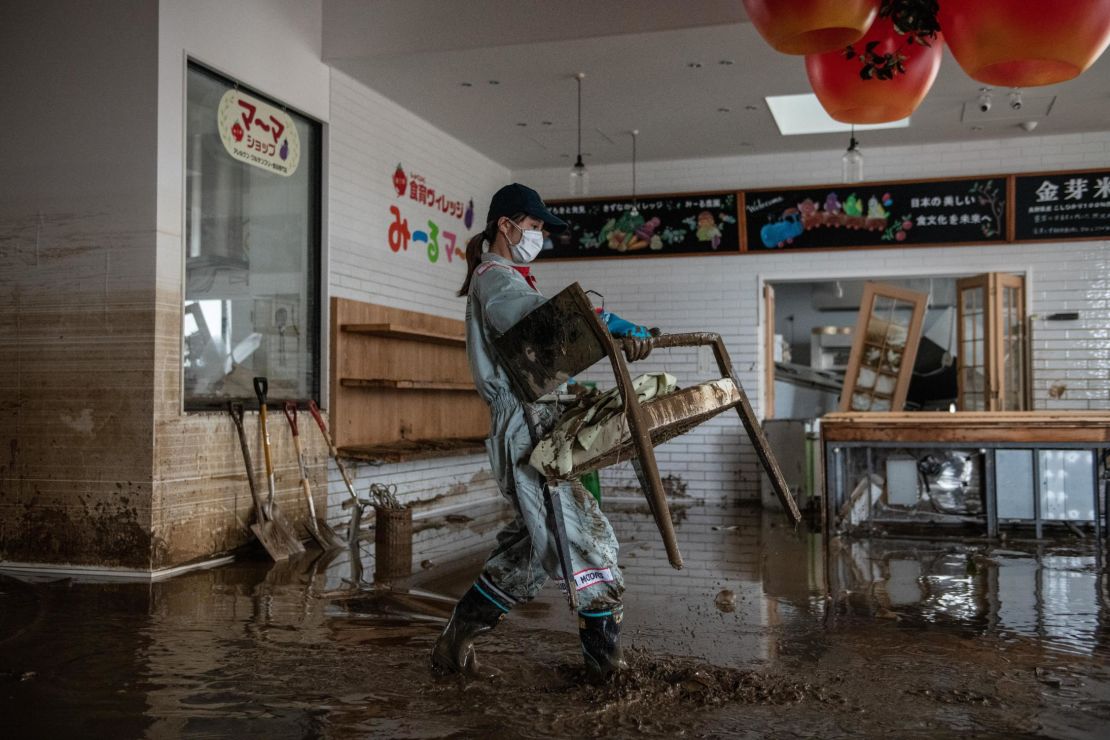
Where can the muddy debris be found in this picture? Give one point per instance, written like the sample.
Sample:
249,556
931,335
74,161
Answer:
660,680
726,600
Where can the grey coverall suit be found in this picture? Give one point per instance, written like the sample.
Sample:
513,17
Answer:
526,553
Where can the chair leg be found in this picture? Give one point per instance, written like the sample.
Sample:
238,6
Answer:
648,472
647,469
757,437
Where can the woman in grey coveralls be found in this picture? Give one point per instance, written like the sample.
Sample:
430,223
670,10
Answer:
500,290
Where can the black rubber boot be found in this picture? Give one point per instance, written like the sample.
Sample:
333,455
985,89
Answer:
600,633
454,650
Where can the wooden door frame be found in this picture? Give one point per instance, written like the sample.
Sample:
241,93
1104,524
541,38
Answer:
909,354
992,284
981,281
999,281
769,351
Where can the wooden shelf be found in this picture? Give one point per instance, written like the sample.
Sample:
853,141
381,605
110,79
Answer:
419,449
396,331
396,376
407,385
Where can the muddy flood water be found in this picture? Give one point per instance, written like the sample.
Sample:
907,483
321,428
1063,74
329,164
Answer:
755,638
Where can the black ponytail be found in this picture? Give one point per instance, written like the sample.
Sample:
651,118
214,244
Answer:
474,250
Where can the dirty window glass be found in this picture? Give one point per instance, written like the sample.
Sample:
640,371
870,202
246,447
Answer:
252,245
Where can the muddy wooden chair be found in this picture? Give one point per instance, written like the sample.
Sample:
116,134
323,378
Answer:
565,336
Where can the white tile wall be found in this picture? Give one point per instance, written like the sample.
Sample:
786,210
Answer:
722,293
368,136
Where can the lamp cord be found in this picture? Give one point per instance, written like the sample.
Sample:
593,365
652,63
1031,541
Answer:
579,118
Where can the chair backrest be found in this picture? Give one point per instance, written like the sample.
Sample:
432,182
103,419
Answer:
561,338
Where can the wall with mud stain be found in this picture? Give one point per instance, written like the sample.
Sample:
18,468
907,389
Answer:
723,293
77,205
99,465
201,502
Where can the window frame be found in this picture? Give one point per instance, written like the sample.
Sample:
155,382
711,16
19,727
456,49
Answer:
312,157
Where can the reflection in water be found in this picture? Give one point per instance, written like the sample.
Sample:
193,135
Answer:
742,641
1047,593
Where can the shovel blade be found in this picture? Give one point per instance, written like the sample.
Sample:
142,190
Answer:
285,529
275,545
324,535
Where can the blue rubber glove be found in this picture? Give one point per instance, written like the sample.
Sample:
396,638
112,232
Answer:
619,327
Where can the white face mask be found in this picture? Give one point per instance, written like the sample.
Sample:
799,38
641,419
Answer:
529,246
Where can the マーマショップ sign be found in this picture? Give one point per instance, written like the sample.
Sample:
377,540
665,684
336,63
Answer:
687,224
1062,205
255,132
892,214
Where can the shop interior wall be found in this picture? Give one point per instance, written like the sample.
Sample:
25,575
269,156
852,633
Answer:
370,136
201,501
77,222
722,293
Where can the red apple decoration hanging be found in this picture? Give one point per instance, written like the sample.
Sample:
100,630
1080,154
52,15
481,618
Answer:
811,26
849,98
1021,43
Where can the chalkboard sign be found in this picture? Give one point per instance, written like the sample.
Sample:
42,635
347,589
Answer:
694,223
893,214
1062,205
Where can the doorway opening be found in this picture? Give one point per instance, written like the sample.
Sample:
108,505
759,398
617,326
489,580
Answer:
971,354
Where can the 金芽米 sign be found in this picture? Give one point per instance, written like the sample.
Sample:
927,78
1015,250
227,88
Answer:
255,132
694,223
1062,205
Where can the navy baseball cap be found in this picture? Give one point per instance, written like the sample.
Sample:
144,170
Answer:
516,198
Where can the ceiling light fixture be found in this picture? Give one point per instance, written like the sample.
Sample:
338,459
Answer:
851,164
579,178
635,211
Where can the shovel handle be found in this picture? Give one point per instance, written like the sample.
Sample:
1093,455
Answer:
290,409
237,412
315,411
260,387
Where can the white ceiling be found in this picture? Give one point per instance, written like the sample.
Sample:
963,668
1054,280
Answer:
636,56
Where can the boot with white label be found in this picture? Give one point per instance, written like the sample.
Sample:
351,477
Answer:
600,633
454,650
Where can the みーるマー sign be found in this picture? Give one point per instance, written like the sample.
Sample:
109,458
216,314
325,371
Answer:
255,132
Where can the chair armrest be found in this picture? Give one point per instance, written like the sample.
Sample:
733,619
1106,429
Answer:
689,339
699,339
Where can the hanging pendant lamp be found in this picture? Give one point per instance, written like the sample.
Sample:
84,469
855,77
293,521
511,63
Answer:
635,210
579,177
811,26
851,164
850,99
1018,43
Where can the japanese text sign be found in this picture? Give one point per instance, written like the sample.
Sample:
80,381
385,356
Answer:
255,132
1062,205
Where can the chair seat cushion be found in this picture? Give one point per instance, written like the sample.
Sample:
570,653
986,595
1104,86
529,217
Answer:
573,448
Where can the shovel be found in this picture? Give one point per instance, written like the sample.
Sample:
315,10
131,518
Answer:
282,524
324,535
352,532
265,530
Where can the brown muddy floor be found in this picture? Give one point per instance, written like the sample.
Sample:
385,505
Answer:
919,639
